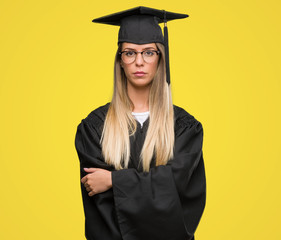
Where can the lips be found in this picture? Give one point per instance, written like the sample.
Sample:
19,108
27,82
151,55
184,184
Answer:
139,73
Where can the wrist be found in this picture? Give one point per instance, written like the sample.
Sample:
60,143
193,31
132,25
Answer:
110,179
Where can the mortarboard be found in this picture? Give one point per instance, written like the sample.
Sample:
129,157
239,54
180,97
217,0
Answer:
140,25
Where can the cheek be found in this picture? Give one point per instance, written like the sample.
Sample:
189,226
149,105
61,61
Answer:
154,68
126,69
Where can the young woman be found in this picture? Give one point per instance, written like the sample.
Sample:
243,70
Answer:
141,160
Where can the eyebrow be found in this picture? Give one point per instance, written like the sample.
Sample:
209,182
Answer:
142,49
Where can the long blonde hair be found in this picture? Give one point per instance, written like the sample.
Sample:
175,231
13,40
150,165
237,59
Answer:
120,124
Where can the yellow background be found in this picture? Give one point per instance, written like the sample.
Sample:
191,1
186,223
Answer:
57,66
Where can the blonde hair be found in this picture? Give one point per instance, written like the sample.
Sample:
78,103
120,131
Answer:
120,124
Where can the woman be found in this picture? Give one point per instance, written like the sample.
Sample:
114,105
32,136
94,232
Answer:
141,160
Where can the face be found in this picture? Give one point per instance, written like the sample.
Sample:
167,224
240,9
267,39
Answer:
139,73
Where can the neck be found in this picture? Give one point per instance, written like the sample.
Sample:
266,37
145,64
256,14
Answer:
140,97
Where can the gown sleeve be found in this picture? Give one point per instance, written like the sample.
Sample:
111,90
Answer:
88,147
100,216
168,201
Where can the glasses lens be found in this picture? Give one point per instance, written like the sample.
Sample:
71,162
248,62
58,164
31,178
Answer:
149,56
128,56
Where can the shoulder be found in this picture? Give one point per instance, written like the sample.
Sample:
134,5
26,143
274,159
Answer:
184,119
96,117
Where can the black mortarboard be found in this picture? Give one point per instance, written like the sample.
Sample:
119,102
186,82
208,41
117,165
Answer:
140,25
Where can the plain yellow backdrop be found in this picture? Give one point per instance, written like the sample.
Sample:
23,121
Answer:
57,66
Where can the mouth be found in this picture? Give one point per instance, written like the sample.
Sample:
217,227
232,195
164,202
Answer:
139,73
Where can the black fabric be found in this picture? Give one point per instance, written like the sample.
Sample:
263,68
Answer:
140,29
116,18
168,78
139,25
164,204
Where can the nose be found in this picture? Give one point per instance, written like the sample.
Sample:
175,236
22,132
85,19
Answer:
139,59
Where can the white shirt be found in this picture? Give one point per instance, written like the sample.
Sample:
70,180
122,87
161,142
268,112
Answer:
141,116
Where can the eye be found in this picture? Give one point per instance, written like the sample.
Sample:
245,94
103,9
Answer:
149,53
129,53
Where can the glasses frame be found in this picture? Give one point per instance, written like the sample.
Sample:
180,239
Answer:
136,53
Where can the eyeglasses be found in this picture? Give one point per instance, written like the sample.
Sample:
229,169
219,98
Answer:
149,56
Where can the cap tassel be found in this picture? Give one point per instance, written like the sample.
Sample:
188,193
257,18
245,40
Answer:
166,49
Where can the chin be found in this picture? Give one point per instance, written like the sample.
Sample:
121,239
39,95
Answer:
141,83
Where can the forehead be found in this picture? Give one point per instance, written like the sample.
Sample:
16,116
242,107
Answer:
138,46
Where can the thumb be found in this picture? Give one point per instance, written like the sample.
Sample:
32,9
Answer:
90,169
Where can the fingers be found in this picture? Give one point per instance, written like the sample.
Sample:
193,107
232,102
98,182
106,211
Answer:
87,186
90,169
88,179
89,189
92,193
83,179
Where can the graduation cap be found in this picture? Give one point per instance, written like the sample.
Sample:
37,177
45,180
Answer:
140,26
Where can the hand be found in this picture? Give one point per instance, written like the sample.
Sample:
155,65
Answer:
97,181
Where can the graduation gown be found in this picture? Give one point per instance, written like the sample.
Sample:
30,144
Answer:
165,203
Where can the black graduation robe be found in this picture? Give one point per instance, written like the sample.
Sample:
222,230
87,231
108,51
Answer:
164,204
